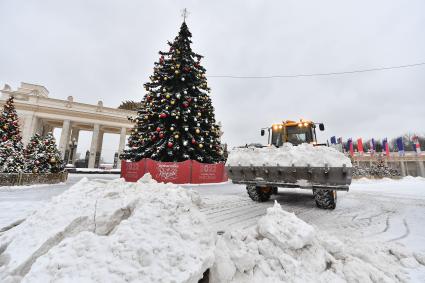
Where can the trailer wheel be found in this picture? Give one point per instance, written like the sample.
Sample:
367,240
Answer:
325,198
259,194
274,190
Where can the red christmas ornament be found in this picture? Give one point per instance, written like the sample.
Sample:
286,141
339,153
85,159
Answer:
170,145
185,104
161,135
153,138
148,98
158,129
193,141
189,99
162,115
4,139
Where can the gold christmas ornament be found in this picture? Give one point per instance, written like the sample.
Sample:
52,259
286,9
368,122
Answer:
199,114
197,131
176,72
172,102
167,96
201,145
172,129
52,160
176,136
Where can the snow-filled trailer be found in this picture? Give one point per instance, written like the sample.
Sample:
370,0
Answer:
263,181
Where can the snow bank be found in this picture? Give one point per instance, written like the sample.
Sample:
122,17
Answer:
283,248
111,231
286,155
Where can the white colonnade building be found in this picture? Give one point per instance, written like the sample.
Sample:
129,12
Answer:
38,113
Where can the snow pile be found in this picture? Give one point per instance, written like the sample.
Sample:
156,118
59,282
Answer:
286,155
283,248
111,231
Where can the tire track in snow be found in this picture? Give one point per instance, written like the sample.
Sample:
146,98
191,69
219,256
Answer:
406,233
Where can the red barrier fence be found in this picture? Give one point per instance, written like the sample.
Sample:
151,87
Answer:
188,171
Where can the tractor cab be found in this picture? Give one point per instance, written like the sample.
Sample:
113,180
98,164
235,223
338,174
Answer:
293,132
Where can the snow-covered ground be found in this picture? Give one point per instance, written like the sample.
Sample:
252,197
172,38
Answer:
374,217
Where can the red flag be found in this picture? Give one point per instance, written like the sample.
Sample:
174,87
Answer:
360,145
351,147
386,147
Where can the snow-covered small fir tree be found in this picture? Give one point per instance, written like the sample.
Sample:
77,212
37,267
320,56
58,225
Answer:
52,161
11,159
11,147
34,155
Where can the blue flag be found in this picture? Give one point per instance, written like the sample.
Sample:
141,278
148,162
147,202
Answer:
333,140
400,146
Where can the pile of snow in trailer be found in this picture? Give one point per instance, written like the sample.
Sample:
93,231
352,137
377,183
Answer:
111,231
288,155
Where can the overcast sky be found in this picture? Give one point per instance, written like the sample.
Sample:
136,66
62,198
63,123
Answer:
106,49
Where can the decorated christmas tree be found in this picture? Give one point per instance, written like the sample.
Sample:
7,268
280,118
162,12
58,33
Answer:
34,154
52,161
11,158
176,120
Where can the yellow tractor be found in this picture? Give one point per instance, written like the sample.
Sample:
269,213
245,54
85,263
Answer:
263,181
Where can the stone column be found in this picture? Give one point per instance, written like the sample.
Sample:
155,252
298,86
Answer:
63,143
99,149
421,168
46,129
403,168
27,128
93,146
74,135
121,145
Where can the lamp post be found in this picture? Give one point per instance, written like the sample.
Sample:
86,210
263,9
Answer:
72,146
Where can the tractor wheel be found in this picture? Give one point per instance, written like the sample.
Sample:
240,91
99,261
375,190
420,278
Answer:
325,199
259,194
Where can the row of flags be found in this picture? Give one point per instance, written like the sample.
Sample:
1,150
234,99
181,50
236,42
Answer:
349,146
